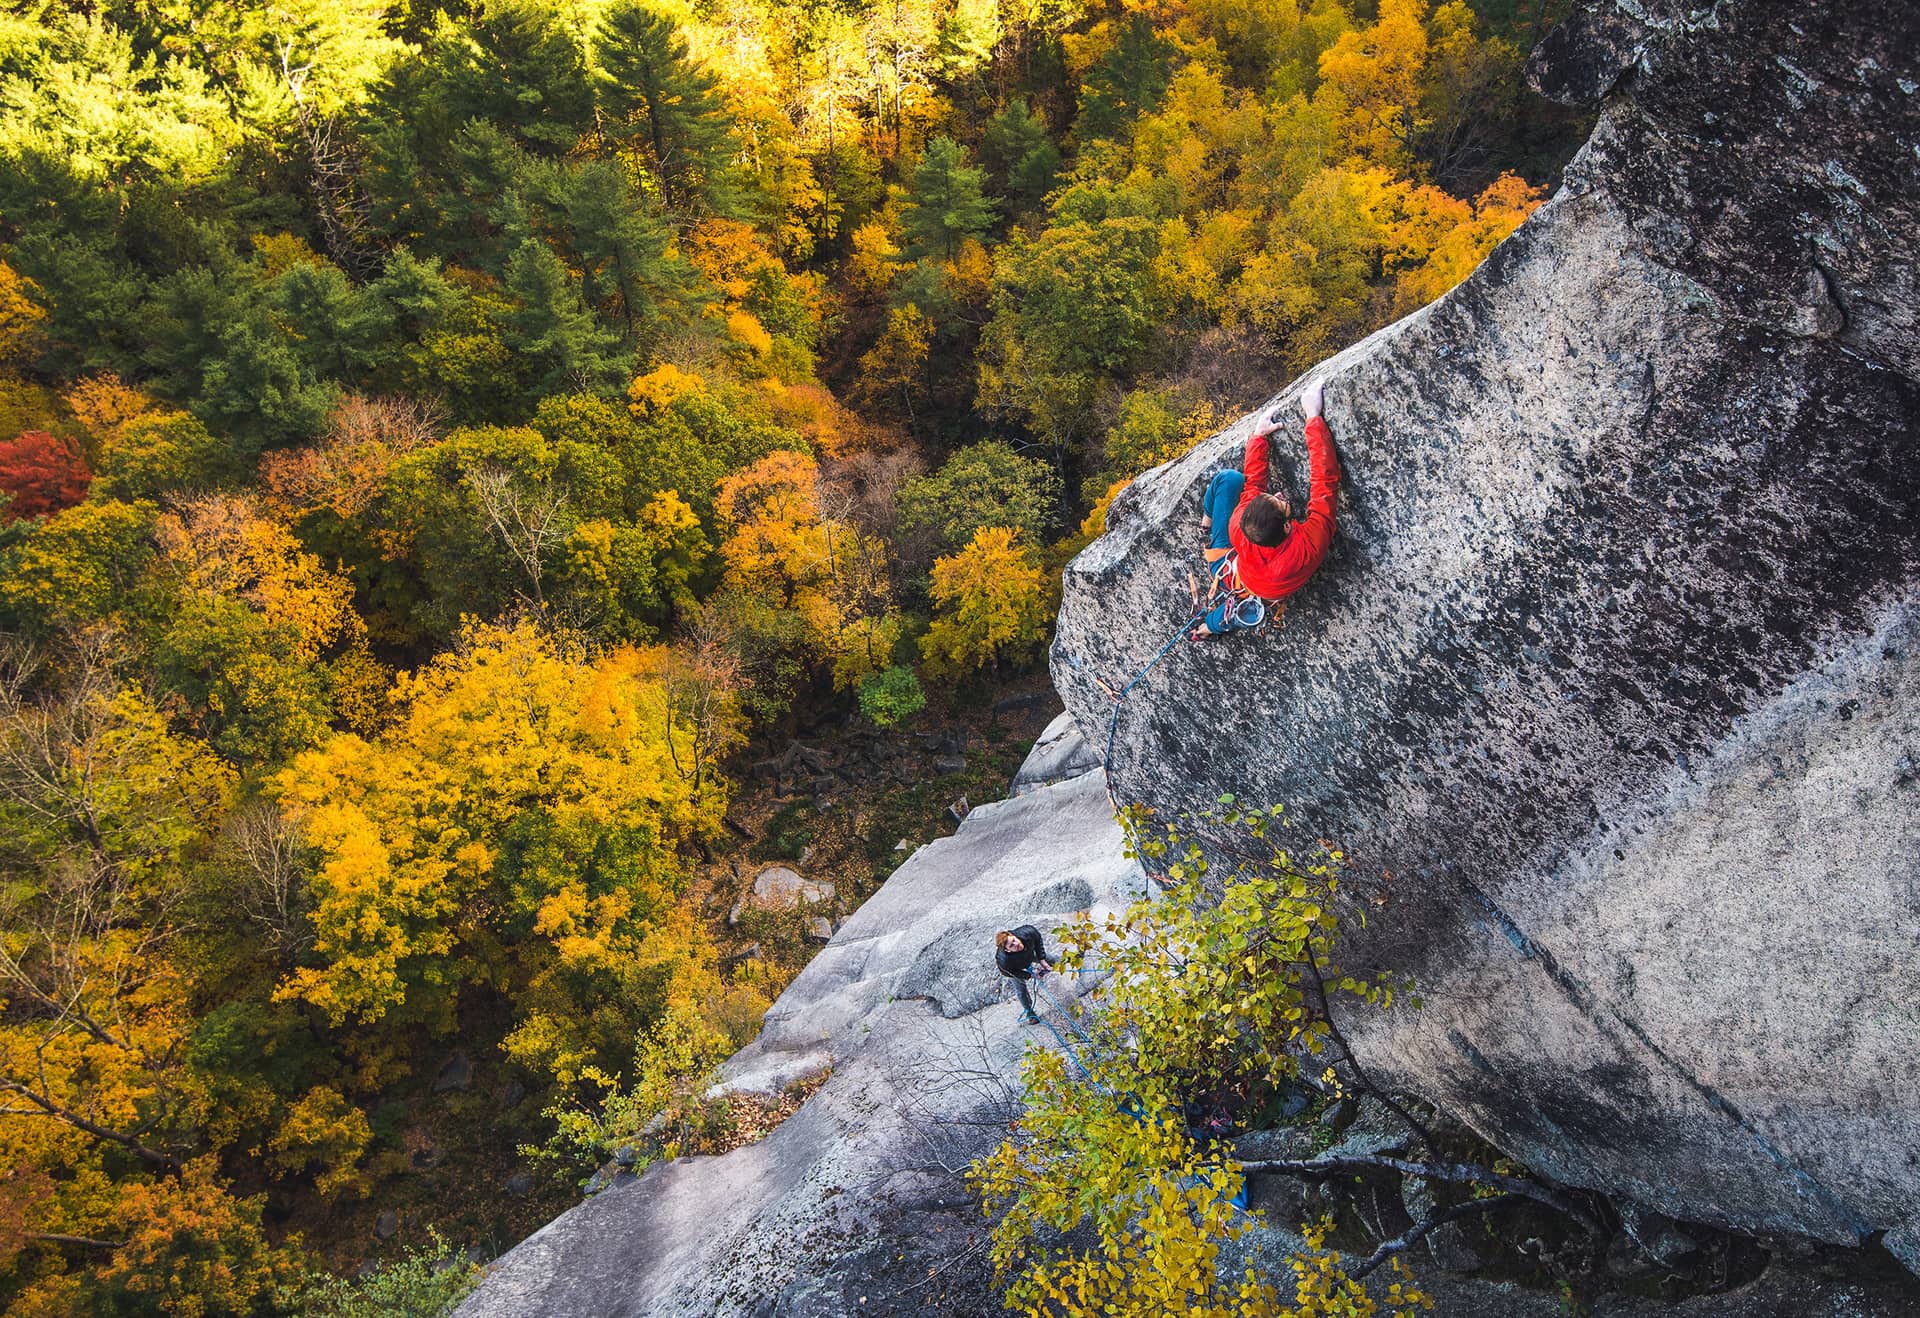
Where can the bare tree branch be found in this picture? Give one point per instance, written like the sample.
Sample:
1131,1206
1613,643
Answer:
532,523
1327,1166
1418,1232
272,861
126,1140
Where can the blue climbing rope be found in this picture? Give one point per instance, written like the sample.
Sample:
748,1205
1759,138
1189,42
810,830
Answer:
1085,1038
1072,1053
1113,722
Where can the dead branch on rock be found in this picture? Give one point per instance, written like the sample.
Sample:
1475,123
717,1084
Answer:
1413,1236
960,1098
1328,1166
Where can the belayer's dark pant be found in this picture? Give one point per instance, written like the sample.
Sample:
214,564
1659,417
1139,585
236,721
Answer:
1026,998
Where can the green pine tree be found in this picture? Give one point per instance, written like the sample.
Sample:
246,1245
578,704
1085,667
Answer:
340,331
655,98
1021,160
417,296
1125,83
558,338
947,203
620,247
519,67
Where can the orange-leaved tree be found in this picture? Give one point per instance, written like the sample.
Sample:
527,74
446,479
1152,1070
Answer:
818,569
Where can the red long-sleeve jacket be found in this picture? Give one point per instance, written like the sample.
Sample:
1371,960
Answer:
1277,571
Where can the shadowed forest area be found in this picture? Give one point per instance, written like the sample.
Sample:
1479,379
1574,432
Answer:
445,447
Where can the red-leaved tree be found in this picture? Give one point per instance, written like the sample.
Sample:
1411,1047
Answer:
42,473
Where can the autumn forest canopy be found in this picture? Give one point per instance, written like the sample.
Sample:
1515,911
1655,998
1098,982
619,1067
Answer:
438,445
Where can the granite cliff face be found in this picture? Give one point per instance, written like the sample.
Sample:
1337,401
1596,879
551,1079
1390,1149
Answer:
1613,675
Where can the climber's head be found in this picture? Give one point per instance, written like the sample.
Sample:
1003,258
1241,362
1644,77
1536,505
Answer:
1006,942
1267,520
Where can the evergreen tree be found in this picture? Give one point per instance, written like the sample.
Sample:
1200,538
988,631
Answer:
561,340
416,295
1021,159
1125,83
657,99
340,331
621,247
67,243
483,198
212,334
947,203
517,66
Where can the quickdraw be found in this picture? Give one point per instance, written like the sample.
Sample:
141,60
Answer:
1229,606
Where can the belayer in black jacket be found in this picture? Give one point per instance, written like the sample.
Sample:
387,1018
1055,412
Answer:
1019,952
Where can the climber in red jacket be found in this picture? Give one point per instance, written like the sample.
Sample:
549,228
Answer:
1257,549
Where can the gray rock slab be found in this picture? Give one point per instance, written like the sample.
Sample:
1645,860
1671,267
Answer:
779,888
1060,754
850,1198
456,1075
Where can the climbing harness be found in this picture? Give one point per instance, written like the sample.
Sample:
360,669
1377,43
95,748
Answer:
1227,607
1237,609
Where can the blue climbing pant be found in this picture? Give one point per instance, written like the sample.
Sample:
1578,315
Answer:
1221,498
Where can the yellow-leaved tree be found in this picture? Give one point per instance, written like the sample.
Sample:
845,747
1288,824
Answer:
814,570
1474,232
994,605
518,823
1373,79
110,1204
20,314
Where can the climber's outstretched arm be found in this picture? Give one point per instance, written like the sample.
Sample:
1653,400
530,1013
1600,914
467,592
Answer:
1256,461
1254,466
1317,528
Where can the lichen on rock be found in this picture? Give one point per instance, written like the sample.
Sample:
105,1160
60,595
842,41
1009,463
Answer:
1610,676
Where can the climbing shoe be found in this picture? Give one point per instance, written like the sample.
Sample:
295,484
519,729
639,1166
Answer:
1030,1019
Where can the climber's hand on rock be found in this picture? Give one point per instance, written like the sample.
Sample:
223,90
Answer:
1311,398
1268,422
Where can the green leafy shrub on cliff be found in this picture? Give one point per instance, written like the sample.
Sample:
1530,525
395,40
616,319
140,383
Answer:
428,1281
1208,1003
